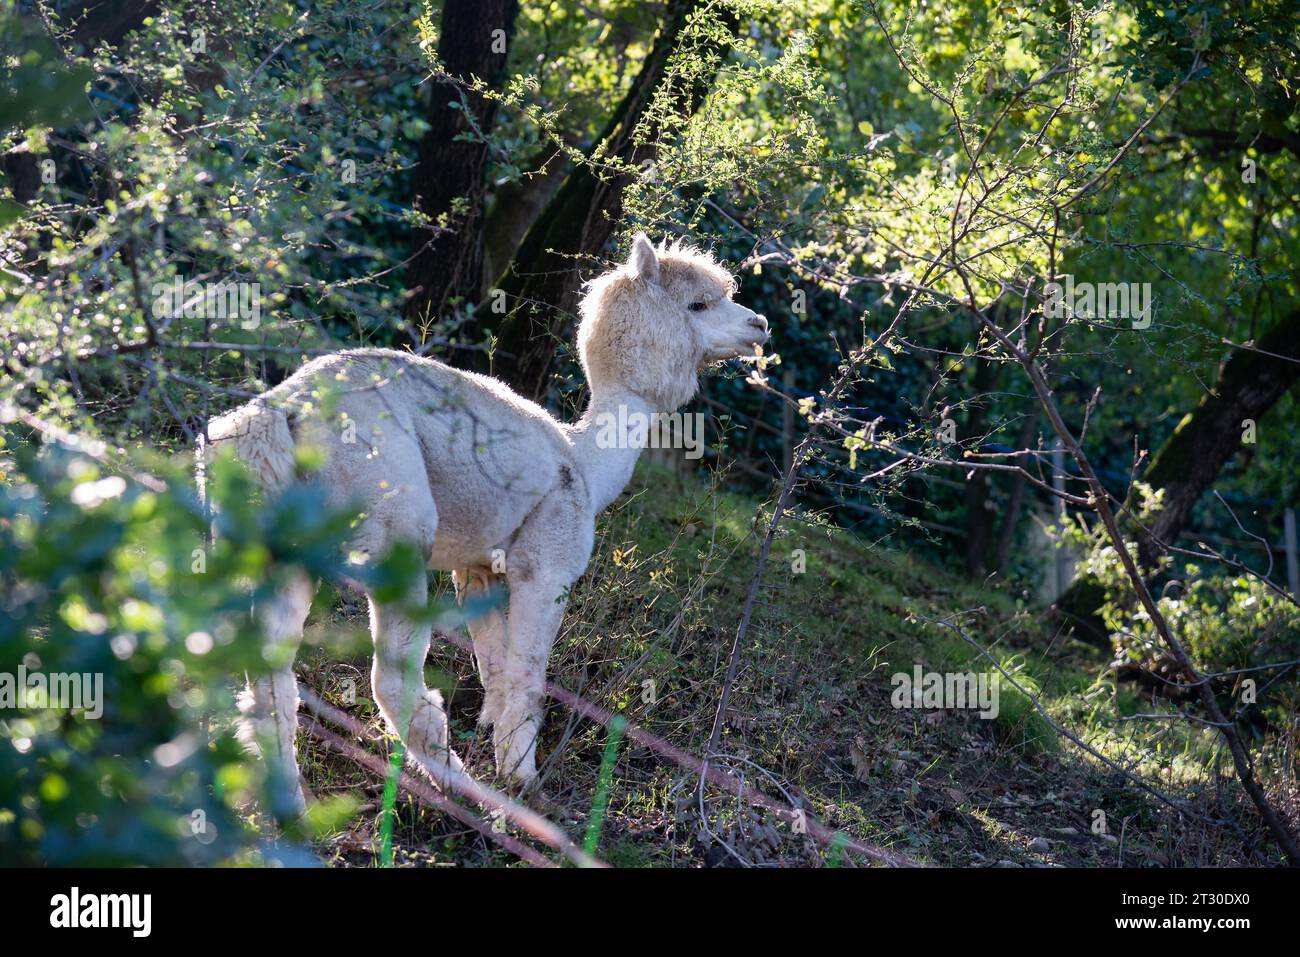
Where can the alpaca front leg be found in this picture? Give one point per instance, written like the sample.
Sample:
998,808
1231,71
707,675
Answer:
536,612
487,629
412,711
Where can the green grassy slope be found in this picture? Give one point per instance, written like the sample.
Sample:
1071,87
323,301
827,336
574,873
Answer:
648,632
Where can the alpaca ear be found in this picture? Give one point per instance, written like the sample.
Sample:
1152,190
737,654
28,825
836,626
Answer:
644,261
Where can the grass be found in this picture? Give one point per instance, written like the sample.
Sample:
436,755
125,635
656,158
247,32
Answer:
647,634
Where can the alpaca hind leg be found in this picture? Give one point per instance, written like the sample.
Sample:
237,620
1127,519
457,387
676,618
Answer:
487,629
269,705
402,511
412,711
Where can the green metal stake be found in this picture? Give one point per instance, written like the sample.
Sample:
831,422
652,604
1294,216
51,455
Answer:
601,800
395,766
836,851
390,810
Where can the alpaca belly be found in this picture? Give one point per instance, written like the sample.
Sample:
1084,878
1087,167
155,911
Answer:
452,553
475,537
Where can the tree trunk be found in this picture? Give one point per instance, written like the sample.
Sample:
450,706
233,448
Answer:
513,209
541,289
1191,458
447,268
979,515
1016,499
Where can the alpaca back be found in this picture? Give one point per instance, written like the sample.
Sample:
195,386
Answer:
393,428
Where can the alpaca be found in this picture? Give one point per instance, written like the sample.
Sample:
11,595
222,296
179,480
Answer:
487,485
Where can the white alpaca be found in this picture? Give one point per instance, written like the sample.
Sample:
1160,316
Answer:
466,470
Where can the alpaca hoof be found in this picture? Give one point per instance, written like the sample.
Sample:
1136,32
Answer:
524,789
521,786
440,767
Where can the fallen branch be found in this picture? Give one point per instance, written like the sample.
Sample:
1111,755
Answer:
1180,806
485,797
722,779
423,792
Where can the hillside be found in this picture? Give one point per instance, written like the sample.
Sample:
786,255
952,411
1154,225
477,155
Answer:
648,633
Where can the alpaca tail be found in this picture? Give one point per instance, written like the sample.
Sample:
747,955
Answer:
261,438
247,732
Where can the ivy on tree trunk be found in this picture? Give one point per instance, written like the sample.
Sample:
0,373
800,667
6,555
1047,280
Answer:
1252,381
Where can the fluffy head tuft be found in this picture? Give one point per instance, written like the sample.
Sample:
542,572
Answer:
636,331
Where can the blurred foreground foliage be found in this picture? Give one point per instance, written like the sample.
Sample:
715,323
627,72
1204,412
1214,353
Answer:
104,578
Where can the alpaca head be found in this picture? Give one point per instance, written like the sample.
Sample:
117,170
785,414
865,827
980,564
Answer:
650,325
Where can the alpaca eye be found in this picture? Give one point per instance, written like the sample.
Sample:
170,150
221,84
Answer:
698,306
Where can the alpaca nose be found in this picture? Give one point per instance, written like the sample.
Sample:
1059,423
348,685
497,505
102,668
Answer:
758,322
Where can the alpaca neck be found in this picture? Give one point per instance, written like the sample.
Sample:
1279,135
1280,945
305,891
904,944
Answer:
608,439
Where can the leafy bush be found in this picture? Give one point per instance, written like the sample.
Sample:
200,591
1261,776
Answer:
1232,626
103,578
